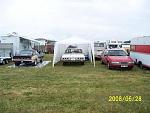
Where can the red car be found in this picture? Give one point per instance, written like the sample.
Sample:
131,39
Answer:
116,58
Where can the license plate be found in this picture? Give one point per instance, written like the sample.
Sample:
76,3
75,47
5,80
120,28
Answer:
124,65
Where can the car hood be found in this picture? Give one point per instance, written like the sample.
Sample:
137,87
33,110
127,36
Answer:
120,58
72,55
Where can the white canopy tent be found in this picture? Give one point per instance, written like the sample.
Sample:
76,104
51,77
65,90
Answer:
85,45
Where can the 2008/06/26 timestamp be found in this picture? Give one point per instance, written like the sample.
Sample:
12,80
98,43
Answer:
125,98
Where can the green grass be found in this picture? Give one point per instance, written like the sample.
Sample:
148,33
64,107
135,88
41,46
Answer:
72,89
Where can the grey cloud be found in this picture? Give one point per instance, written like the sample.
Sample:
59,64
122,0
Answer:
93,19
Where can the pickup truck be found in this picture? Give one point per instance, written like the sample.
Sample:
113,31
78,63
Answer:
31,57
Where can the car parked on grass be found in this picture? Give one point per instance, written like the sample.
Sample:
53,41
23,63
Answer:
116,58
31,57
74,55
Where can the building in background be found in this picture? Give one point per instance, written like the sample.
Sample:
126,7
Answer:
46,45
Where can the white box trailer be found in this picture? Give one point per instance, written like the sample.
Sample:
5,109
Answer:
140,51
19,42
5,52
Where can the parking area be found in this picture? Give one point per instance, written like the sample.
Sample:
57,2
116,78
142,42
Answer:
83,85
39,65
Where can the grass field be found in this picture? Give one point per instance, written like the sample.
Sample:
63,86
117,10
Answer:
72,89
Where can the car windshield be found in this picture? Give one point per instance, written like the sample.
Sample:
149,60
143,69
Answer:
98,44
26,52
116,53
113,46
73,51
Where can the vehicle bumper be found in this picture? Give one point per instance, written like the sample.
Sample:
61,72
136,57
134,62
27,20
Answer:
73,60
119,66
26,61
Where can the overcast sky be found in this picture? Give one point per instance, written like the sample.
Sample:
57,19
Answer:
90,19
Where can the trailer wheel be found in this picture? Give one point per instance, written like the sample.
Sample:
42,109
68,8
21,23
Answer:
6,61
140,64
3,62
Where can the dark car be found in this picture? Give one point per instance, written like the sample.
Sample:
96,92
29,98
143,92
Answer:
28,57
116,58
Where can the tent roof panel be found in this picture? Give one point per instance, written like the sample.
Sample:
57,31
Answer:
74,40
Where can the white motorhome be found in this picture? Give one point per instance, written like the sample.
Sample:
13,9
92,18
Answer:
98,48
113,44
140,51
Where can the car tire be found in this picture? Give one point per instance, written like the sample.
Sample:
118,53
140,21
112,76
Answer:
82,63
41,60
17,63
64,63
35,63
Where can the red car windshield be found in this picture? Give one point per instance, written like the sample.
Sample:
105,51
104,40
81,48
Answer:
116,53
